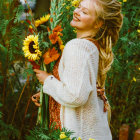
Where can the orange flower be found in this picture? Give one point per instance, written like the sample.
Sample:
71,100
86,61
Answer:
51,55
51,19
48,29
60,34
53,37
57,28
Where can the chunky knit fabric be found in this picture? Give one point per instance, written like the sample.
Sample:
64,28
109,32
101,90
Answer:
81,109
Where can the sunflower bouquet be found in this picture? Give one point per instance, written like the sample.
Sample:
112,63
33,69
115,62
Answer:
44,44
44,57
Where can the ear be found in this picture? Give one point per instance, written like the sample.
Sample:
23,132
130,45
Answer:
98,24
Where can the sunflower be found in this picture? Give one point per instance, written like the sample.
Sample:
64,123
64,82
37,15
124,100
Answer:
31,48
42,20
51,55
37,23
75,3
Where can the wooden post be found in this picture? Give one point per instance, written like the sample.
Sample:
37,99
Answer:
137,135
124,131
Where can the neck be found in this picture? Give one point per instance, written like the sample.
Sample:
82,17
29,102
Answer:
84,34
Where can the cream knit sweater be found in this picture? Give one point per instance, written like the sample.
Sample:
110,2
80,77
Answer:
81,109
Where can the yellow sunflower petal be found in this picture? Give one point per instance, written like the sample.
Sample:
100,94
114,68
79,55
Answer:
31,48
42,20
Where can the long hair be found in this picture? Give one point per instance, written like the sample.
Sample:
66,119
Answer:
109,13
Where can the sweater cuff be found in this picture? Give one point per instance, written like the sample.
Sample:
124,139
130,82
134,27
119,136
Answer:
50,84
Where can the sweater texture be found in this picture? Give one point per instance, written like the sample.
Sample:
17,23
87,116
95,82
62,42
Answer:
81,109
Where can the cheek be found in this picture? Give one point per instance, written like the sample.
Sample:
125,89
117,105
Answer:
87,21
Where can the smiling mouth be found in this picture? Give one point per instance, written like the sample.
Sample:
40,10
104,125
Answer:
75,18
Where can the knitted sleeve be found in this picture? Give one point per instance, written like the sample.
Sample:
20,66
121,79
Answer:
74,87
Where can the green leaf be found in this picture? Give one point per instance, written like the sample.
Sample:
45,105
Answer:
3,26
45,44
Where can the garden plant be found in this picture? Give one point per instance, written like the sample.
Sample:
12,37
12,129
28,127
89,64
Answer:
47,35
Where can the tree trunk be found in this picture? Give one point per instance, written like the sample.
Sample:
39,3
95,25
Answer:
42,7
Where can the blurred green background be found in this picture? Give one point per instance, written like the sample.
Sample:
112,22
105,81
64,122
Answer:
18,83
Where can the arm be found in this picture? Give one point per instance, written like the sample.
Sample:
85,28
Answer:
74,88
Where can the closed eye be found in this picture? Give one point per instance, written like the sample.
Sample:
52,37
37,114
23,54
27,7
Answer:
84,12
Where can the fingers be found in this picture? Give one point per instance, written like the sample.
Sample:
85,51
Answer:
39,78
38,94
37,71
41,75
37,104
38,75
35,98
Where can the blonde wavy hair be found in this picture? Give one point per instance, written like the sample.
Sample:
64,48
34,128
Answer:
109,13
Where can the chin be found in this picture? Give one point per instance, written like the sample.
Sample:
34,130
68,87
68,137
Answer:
74,24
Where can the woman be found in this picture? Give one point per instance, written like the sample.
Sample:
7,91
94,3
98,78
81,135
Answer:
83,65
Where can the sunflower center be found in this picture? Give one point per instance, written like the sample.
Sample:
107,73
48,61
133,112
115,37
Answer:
31,48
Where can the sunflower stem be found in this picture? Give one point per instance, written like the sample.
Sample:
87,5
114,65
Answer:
46,104
43,114
39,117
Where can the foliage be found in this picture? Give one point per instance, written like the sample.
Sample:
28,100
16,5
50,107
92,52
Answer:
122,86
13,83
64,11
18,83
51,134
17,80
44,45
7,130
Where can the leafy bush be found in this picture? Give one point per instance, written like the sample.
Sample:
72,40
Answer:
122,85
17,82
7,130
51,134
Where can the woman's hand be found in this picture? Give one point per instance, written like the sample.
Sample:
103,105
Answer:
36,98
41,75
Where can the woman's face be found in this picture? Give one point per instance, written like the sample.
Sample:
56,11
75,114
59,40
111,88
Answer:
84,16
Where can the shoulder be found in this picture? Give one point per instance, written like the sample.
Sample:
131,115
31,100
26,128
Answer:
82,45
